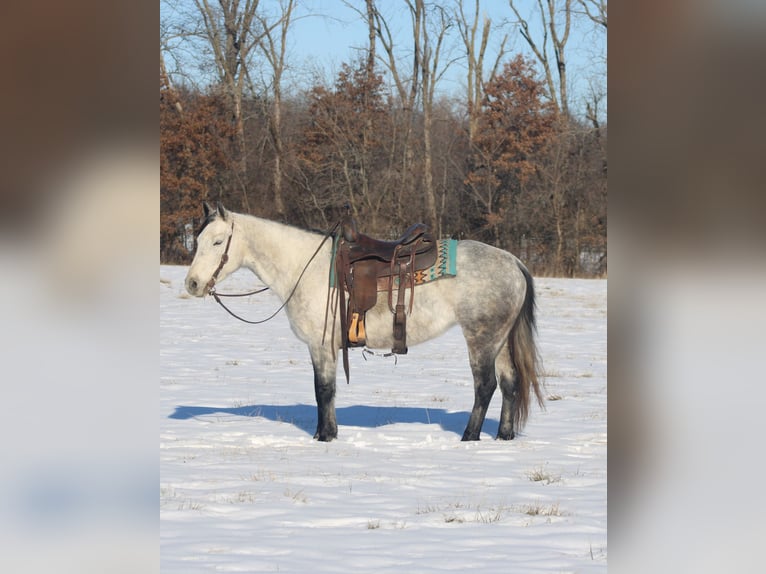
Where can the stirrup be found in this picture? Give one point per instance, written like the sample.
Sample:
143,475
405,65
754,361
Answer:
356,333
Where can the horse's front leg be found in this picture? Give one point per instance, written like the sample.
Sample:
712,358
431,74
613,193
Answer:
324,390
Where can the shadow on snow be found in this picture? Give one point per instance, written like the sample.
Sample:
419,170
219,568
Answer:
304,416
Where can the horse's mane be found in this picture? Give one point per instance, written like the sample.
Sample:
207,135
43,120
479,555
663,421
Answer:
207,221
213,215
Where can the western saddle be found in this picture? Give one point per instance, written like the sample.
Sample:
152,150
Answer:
364,266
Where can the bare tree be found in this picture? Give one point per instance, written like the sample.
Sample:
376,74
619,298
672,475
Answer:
371,36
592,108
166,87
598,15
553,174
430,26
431,70
273,48
233,30
549,18
227,28
596,12
406,89
171,36
475,60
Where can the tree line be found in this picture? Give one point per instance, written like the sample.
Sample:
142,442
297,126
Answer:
507,162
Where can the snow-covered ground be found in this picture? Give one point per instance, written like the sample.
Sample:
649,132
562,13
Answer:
245,488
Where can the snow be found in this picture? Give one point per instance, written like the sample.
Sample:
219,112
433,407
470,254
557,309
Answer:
245,488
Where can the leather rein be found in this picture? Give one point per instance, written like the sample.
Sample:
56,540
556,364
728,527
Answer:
225,258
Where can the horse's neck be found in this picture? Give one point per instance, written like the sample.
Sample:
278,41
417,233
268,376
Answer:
275,252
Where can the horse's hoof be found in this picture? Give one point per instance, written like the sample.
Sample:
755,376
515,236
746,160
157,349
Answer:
325,436
506,436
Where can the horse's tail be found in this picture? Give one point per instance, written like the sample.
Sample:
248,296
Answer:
524,354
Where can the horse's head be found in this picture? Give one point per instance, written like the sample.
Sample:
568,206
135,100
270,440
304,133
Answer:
216,255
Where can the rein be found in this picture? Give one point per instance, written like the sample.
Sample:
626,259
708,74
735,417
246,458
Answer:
225,258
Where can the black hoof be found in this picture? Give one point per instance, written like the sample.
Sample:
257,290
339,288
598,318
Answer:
325,436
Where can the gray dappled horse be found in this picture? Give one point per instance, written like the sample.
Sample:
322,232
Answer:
492,299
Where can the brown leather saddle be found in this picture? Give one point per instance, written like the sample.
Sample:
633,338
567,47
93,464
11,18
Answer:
365,266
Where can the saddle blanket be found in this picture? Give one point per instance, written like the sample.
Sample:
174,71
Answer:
445,266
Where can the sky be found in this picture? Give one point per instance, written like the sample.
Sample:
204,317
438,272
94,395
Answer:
328,33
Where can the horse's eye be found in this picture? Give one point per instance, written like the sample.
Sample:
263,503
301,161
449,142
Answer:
218,242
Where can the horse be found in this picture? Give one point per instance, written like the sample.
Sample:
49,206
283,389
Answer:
491,297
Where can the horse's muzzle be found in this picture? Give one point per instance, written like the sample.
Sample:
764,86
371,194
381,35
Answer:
194,287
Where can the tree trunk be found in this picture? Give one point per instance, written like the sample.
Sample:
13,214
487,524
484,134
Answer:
475,61
559,40
432,219
274,52
276,123
559,43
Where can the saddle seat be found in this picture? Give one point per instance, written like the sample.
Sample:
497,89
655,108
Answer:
365,265
363,246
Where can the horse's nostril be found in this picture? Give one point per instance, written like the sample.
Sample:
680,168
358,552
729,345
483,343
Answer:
191,284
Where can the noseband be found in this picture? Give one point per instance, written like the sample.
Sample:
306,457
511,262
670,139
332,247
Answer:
224,259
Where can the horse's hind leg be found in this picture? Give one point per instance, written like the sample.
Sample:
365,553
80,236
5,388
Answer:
508,379
484,384
324,390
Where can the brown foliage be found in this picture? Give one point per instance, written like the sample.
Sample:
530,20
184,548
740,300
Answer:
193,139
515,124
345,143
565,203
529,181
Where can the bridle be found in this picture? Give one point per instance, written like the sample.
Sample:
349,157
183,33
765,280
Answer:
211,284
225,258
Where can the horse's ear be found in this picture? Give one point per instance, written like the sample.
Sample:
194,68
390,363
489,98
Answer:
222,211
207,208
